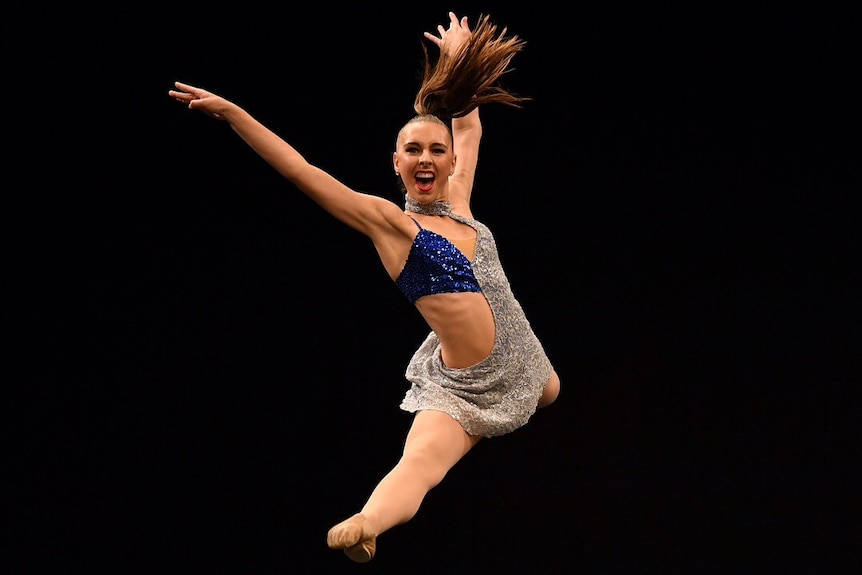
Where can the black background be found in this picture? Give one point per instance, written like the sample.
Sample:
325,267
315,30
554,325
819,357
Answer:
207,367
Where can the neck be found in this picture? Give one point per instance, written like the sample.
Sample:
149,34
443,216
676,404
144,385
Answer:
438,208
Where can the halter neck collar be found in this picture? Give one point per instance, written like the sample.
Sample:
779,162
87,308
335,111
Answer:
438,208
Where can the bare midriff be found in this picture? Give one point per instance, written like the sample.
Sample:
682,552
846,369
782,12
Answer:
464,324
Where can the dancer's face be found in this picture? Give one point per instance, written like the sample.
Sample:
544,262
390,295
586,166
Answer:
425,158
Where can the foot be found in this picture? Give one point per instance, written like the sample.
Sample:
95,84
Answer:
356,536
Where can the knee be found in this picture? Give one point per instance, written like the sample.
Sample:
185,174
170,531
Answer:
551,391
434,444
424,464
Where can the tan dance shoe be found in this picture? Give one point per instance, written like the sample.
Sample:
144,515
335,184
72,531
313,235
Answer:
356,536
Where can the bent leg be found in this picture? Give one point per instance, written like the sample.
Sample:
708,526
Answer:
551,391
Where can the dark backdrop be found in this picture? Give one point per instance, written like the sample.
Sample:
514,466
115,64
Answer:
211,366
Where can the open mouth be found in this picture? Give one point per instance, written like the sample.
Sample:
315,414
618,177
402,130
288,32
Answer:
425,181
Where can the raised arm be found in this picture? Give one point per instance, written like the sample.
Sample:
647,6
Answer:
466,130
363,212
466,135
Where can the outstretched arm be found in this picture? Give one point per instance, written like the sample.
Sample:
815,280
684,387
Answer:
466,130
363,212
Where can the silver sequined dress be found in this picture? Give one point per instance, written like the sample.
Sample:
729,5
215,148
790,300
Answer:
500,393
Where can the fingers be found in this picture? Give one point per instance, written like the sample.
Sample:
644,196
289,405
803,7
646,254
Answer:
455,24
190,90
183,91
433,38
196,99
453,20
183,97
450,39
186,94
179,96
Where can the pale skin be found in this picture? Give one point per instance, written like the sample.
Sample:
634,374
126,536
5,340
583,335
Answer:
425,159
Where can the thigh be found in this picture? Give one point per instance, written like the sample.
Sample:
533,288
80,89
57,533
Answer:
436,434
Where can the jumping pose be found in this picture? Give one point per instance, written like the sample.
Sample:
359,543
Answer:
481,371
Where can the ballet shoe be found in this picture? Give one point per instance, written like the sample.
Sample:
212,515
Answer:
356,537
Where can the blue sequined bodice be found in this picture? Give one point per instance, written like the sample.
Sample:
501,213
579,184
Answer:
434,266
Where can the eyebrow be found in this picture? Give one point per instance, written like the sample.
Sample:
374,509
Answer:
415,143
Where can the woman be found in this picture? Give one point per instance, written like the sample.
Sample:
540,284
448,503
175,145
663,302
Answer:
481,372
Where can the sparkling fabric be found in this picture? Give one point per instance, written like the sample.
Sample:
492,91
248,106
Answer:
435,265
438,208
500,393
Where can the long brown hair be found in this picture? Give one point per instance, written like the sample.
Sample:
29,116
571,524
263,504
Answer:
455,85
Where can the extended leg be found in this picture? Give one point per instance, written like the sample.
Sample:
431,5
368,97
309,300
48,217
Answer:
435,443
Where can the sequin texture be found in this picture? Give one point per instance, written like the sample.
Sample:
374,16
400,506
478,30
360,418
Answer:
435,265
500,393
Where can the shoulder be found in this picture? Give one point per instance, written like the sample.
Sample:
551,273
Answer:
391,218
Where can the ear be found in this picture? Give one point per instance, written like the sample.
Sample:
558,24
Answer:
454,161
395,161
